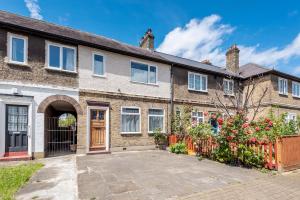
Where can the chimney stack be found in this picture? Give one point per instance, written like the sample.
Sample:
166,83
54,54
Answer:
207,62
147,41
232,59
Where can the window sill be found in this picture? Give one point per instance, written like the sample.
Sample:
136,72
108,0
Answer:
229,95
281,94
99,76
201,91
60,70
17,64
149,84
137,133
296,97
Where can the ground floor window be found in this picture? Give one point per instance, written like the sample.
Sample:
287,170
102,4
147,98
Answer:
291,117
197,117
155,120
131,120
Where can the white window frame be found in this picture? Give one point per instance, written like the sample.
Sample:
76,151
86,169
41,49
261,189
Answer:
285,89
10,36
104,64
293,84
139,132
290,116
197,116
230,93
151,115
201,76
148,75
61,46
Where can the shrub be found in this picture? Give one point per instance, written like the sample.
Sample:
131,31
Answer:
159,138
179,148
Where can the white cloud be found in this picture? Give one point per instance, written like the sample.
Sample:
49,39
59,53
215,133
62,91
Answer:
34,9
203,39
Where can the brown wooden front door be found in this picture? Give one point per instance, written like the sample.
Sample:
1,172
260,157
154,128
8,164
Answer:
98,130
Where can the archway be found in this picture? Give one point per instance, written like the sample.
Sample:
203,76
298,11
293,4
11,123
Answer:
60,124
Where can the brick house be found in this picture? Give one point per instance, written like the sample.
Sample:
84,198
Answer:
63,90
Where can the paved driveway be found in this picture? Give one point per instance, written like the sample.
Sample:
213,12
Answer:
161,175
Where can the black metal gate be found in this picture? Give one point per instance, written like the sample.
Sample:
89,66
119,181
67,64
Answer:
61,140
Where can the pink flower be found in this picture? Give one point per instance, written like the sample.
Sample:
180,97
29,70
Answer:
257,128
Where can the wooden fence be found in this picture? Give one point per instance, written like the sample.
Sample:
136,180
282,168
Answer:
282,155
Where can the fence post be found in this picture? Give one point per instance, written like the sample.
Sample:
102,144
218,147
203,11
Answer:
278,154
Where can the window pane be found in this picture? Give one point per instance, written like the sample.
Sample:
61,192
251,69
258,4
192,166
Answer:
130,110
191,81
204,87
98,65
130,123
152,74
155,122
68,59
18,50
225,86
54,56
197,82
139,72
156,112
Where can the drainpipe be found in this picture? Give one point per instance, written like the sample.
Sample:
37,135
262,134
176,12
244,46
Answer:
172,94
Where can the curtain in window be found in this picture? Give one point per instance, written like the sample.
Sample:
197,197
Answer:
191,81
139,72
156,119
203,83
197,82
98,65
68,59
130,120
17,50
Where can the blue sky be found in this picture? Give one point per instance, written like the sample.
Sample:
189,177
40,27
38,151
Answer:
265,31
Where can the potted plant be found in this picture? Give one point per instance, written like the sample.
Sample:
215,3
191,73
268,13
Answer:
160,139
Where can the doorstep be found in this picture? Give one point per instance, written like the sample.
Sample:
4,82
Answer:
98,152
15,156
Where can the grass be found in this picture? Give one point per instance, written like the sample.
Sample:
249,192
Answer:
14,177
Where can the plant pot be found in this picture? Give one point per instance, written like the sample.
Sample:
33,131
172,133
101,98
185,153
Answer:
73,147
162,146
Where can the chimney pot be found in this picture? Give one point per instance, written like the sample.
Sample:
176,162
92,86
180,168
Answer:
206,61
232,59
147,41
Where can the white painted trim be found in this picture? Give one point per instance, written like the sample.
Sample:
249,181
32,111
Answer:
10,36
164,128
88,122
140,131
37,86
30,121
104,64
285,81
295,83
60,46
229,81
201,75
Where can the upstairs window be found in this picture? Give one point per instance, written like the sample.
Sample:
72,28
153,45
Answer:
282,86
143,73
98,65
61,57
197,82
17,50
296,89
228,87
156,120
197,117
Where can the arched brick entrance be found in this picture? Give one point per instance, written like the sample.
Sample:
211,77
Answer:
44,104
60,124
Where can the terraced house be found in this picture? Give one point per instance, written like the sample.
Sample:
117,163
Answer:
63,90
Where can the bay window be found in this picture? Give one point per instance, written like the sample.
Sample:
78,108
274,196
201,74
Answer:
155,120
130,120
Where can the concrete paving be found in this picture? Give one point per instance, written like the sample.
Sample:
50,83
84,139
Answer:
56,180
161,175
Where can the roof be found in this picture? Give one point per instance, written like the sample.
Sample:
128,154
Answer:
197,65
252,69
80,37
88,39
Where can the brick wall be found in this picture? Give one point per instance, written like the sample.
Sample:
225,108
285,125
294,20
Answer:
35,72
